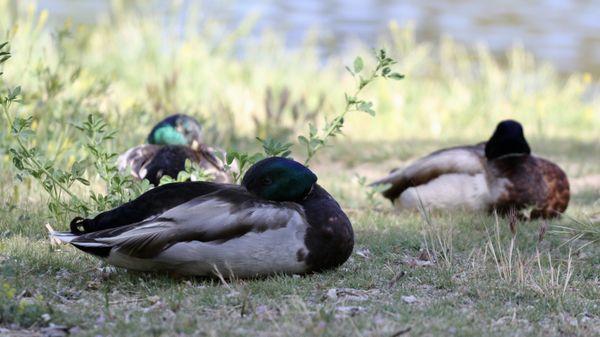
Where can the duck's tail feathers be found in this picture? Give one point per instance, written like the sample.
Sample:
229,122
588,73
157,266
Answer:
395,183
60,237
89,246
392,178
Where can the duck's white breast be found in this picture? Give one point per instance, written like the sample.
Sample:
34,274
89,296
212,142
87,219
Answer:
448,191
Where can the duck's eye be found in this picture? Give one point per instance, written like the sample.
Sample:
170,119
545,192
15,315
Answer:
266,181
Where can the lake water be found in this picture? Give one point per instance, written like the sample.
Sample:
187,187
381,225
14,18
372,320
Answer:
565,32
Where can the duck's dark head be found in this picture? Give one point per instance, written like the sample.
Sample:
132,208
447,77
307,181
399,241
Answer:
279,179
176,130
507,139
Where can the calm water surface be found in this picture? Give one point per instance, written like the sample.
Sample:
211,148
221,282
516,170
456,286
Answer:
565,32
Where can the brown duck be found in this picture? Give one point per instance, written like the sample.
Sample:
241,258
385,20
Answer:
500,174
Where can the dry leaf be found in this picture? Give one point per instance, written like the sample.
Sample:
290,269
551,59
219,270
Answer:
365,253
409,299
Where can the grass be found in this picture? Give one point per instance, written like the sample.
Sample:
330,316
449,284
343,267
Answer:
465,290
467,274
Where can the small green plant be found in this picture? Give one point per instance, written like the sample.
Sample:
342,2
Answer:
243,162
371,191
316,140
119,188
57,182
192,172
4,54
274,148
28,160
271,148
15,308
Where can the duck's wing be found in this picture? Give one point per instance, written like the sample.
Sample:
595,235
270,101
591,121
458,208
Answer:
149,204
210,161
137,158
463,159
216,217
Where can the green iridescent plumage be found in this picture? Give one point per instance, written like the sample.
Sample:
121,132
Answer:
171,142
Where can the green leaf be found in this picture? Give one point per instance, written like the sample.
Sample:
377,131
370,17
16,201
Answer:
303,140
312,129
358,64
363,82
4,59
396,76
366,107
84,181
3,44
274,148
12,95
349,70
230,157
350,99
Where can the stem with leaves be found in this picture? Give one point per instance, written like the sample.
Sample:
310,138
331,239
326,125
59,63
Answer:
58,182
315,141
17,126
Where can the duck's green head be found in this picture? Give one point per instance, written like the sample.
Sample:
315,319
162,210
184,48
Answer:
279,179
176,130
507,139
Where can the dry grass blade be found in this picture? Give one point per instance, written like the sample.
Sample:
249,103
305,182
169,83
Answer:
578,230
437,239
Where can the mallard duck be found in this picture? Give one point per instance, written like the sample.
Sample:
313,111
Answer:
170,143
278,221
500,174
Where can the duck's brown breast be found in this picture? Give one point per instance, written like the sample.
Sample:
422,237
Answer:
533,182
558,191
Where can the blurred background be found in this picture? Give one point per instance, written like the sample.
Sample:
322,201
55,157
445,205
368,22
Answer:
269,68
564,32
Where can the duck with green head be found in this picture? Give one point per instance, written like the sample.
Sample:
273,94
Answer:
278,221
170,143
500,174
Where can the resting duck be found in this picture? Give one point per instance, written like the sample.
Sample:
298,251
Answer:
170,143
499,174
278,221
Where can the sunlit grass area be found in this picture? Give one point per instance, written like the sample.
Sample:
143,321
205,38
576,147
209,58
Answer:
444,274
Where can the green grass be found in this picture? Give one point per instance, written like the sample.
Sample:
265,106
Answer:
452,95
465,295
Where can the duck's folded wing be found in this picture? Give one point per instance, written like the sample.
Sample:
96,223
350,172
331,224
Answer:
210,161
136,159
217,217
465,159
149,204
